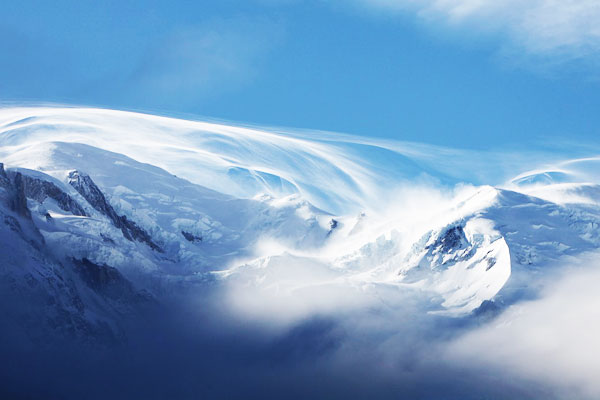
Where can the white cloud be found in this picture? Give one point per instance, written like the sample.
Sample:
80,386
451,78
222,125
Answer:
568,28
552,340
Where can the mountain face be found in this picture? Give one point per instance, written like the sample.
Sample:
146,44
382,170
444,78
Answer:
169,231
92,238
45,296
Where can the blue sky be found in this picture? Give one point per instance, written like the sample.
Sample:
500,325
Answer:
463,73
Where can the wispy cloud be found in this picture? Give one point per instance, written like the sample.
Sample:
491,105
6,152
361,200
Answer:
200,61
343,174
567,29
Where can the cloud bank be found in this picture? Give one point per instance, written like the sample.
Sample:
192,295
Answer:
552,341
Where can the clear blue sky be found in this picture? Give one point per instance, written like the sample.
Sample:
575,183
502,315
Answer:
465,75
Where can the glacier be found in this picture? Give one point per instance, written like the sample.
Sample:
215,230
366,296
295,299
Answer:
107,216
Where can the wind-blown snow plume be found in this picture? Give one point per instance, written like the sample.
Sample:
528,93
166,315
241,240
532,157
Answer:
234,160
338,173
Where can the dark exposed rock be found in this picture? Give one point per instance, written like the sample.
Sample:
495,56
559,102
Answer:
39,190
94,196
13,224
453,239
18,200
443,249
108,282
190,237
490,263
15,195
88,189
103,279
333,224
3,177
487,310
107,239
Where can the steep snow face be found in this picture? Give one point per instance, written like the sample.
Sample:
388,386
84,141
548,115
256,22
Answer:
466,263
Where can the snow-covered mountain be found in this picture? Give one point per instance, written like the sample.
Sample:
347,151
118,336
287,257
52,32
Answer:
105,214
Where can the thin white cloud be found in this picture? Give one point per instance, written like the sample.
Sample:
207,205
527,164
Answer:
199,61
347,173
543,28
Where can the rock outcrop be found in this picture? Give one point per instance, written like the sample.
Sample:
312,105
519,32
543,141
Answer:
39,190
94,196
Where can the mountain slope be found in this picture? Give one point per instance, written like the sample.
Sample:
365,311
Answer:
47,298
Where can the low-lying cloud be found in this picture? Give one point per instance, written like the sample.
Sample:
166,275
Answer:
388,349
552,341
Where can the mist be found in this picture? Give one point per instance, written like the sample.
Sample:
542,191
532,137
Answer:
552,340
199,347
